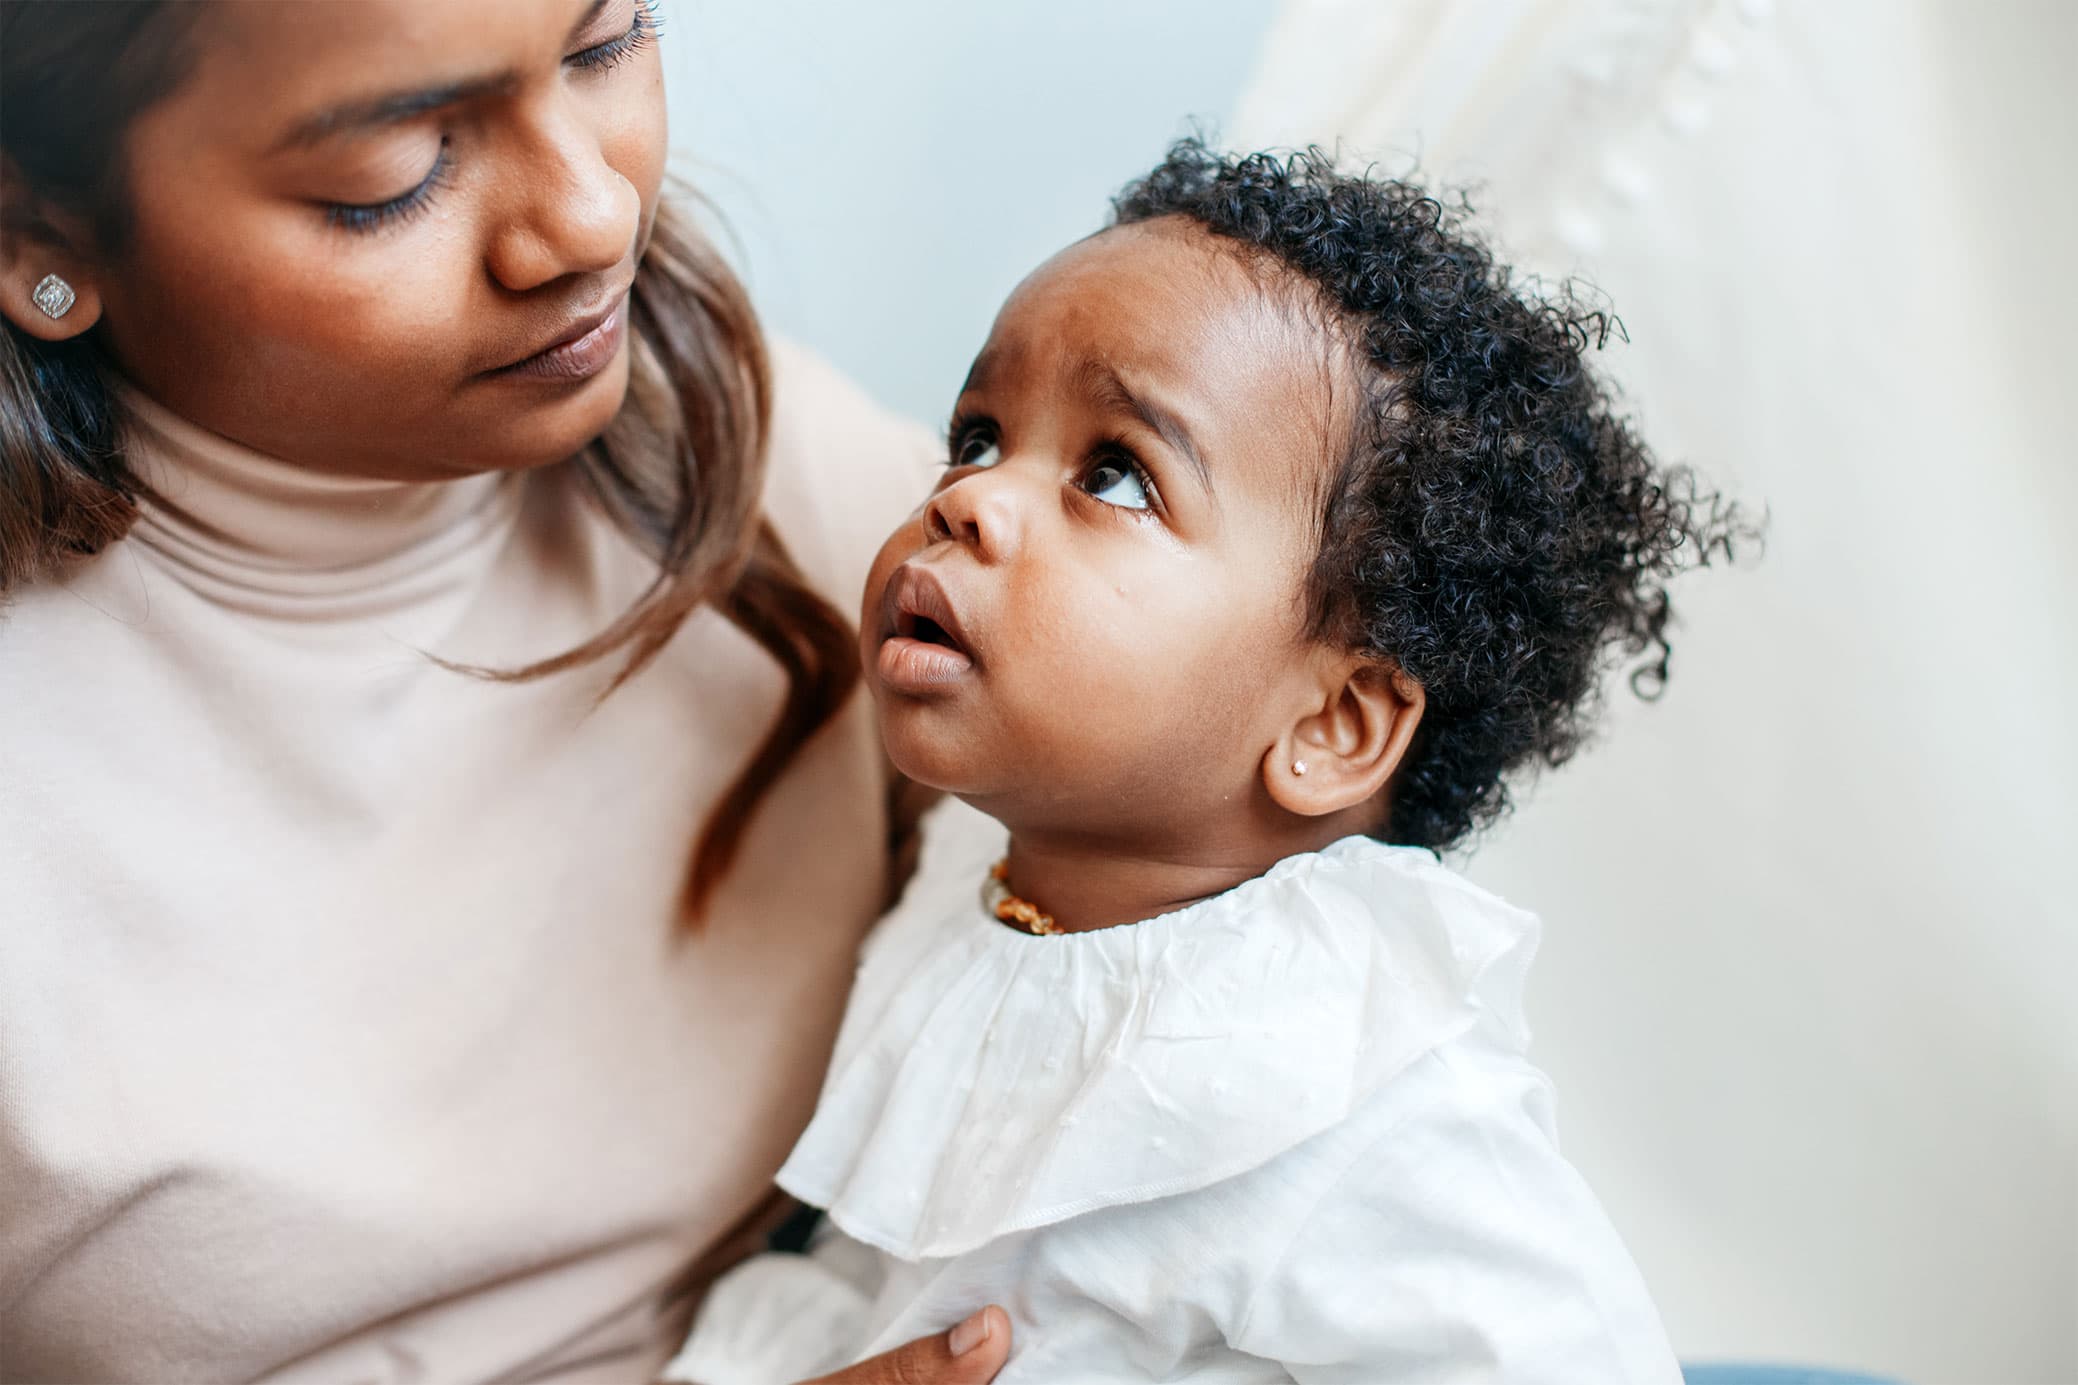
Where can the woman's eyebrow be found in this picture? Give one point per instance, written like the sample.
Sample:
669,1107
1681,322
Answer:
392,107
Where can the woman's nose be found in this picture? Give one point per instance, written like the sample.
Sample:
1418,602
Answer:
573,214
981,511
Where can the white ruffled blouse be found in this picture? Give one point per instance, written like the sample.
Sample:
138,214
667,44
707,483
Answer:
1286,1133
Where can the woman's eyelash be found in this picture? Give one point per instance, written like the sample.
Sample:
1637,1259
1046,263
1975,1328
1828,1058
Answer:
369,216
646,27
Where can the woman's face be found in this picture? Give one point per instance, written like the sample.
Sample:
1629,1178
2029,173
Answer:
394,237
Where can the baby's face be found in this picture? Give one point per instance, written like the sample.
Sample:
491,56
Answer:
1096,622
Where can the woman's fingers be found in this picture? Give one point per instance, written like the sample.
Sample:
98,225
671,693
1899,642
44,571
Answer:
970,1354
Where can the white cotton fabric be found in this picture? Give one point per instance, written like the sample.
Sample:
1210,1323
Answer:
1285,1133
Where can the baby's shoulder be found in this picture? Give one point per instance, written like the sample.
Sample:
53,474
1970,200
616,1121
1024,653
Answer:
1473,1087
1464,1121
1442,1211
1458,1124
1440,1177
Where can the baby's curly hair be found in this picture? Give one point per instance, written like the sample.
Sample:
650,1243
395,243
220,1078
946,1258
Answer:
1496,531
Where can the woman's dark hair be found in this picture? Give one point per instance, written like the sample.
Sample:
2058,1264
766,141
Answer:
1494,530
681,470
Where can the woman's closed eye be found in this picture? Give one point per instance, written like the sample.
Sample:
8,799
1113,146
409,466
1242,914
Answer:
642,28
367,216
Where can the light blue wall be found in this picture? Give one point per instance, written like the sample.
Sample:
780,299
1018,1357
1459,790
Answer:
891,169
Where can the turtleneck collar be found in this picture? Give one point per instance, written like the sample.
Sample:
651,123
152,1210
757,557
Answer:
257,531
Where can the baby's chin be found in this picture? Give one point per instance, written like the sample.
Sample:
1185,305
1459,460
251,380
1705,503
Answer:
936,756
1023,791
975,765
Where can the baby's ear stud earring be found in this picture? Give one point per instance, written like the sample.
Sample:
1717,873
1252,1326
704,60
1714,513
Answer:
54,296
1298,767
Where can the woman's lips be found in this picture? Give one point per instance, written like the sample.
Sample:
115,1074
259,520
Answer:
587,350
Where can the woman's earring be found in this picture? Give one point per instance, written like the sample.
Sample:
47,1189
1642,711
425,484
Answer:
54,296
1298,767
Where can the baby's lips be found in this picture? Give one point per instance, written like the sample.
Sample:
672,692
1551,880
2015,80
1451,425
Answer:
916,593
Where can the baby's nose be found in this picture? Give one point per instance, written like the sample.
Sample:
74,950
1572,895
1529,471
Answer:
981,512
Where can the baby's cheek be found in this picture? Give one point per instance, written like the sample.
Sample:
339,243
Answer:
884,564
1226,668
1154,669
899,547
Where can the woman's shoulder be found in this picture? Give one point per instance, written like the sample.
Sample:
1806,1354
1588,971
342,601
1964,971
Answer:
844,470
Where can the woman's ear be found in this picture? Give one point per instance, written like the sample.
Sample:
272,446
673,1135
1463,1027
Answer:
1342,752
46,287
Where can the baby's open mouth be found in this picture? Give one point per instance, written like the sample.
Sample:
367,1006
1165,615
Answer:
925,649
925,629
919,608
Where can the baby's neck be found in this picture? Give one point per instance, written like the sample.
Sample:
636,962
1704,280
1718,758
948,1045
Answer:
1088,882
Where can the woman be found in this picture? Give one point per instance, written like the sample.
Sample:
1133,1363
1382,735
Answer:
436,826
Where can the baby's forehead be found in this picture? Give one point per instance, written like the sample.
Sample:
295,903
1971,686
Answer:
1173,267
1238,347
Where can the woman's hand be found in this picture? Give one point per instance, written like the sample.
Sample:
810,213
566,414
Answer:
970,1354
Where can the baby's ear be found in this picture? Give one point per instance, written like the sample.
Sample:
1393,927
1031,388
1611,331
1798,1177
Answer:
1343,750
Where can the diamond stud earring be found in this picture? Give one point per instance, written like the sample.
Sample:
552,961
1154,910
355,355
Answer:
54,296
1298,767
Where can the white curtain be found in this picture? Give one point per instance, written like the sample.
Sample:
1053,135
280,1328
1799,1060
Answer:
1808,988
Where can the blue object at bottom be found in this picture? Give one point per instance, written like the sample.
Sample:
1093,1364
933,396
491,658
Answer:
1731,1373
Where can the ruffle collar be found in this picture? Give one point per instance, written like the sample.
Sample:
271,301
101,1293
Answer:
987,1081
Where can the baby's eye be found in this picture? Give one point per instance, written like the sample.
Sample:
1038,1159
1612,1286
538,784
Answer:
976,447
1117,482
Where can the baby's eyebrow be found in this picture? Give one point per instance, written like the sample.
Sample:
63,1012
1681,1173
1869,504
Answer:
1109,391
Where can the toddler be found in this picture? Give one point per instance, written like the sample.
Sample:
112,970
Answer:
1278,528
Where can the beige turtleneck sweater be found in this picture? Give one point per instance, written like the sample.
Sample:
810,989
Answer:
343,1036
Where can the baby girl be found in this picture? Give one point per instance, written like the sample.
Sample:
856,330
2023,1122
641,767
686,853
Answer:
1278,529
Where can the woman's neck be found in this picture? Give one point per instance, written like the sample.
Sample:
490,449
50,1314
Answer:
225,504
